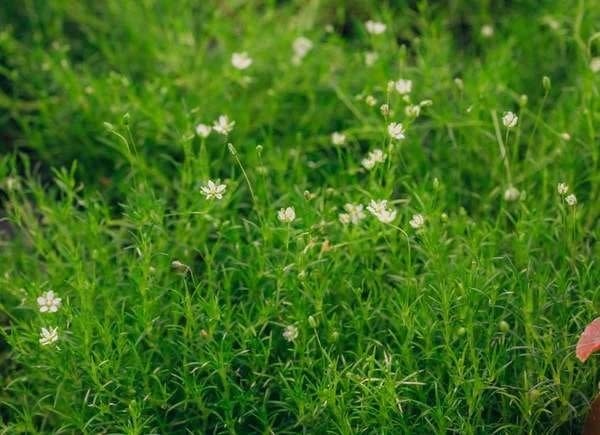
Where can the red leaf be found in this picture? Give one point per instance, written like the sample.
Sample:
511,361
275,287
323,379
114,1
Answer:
589,342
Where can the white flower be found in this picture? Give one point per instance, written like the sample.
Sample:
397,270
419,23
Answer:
487,31
344,218
290,333
374,157
354,214
180,267
241,60
417,221
370,100
286,214
595,64
377,155
565,136
381,211
571,200
338,138
371,57
510,119
384,109
367,163
403,86
412,110
48,302
562,188
301,47
375,27
511,194
48,336
223,125
396,130
211,190
203,130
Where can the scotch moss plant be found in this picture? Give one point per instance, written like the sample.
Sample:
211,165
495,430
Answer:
298,217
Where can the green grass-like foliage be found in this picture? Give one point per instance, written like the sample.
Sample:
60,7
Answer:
466,324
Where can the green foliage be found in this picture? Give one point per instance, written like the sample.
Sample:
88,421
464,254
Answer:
466,325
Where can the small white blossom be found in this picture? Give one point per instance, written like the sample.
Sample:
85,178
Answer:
49,302
301,47
241,60
338,138
510,119
562,188
417,221
223,125
403,86
375,27
344,218
371,57
571,200
381,211
565,136
212,190
396,130
595,64
384,109
511,194
354,214
286,214
370,100
374,157
487,31
377,155
48,336
180,267
203,130
412,110
290,333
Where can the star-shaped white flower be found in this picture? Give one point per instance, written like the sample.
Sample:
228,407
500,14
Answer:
48,336
374,157
396,130
403,86
417,221
338,138
381,211
223,125
562,188
241,60
511,194
301,47
49,302
203,130
375,27
212,190
510,119
287,214
290,333
354,214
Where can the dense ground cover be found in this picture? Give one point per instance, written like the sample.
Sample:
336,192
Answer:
193,308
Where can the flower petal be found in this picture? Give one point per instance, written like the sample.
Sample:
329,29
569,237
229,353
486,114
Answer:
589,342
